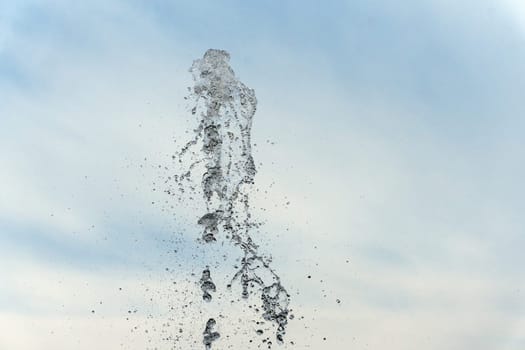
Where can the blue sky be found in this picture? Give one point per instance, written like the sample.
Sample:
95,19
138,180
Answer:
398,140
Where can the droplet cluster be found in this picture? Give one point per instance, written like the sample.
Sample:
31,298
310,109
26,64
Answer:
224,108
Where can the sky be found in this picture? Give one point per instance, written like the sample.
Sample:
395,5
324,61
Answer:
393,129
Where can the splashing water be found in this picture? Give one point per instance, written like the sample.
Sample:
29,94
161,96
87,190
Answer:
207,285
225,108
209,335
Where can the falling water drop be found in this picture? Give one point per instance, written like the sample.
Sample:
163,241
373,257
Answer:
224,108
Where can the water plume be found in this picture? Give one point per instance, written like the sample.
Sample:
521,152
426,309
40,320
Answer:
224,108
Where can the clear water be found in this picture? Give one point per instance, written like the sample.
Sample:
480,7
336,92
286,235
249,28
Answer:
221,146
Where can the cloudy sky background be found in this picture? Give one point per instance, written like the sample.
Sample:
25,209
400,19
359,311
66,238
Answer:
397,131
